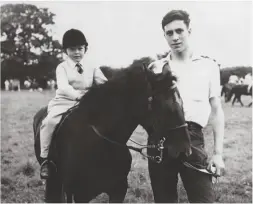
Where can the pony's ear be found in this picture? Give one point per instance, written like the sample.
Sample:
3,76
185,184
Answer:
166,68
147,71
145,68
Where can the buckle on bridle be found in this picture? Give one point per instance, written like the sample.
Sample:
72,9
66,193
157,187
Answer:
158,159
150,99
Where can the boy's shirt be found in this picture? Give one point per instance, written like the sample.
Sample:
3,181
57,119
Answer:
72,84
198,81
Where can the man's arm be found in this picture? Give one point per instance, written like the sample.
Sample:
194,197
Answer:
218,131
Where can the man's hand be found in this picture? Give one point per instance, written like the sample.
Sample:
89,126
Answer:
218,163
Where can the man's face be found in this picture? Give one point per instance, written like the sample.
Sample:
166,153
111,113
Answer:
76,53
176,33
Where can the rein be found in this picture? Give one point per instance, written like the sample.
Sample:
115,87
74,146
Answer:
114,142
159,146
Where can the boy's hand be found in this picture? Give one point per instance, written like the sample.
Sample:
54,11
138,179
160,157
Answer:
81,93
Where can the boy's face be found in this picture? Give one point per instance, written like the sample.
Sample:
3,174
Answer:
76,53
177,35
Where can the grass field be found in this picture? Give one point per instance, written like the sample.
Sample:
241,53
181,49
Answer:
20,182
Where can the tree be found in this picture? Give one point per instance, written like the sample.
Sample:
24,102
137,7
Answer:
27,32
26,35
239,71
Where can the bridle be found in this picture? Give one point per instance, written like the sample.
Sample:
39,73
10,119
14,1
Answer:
159,146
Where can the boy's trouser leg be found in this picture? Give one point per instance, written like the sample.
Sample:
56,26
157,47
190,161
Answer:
56,108
46,131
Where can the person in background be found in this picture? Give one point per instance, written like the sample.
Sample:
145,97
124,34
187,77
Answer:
7,85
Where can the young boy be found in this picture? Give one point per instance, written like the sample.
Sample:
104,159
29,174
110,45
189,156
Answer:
73,77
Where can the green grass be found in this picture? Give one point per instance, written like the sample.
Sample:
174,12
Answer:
20,180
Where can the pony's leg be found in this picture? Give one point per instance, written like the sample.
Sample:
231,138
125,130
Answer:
118,192
239,99
235,98
53,191
225,97
79,197
67,197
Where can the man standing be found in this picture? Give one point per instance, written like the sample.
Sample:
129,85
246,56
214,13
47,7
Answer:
199,87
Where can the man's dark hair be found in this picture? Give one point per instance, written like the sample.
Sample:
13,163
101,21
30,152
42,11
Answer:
176,15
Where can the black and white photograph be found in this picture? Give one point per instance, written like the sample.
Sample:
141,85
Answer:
126,101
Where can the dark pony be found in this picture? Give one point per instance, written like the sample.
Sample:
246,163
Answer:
90,150
226,88
239,90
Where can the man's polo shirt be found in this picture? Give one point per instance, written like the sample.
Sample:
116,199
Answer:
198,81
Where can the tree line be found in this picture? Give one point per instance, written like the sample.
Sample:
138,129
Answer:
240,71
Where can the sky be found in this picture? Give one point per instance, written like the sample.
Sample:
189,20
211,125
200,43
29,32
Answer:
120,31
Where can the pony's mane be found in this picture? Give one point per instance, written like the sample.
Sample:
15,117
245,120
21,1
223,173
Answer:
123,93
128,83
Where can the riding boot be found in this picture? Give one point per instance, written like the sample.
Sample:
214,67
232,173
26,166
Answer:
45,169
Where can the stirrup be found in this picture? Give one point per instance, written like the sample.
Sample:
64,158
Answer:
45,166
45,161
49,161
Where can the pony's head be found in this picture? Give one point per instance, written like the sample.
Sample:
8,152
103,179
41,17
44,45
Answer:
167,107
136,95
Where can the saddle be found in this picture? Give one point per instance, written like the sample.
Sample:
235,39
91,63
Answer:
52,155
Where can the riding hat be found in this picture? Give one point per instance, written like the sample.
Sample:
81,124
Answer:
72,38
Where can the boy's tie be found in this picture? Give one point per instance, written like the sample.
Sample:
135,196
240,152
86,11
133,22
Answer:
79,68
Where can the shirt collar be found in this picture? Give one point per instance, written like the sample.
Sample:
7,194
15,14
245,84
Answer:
195,56
72,64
